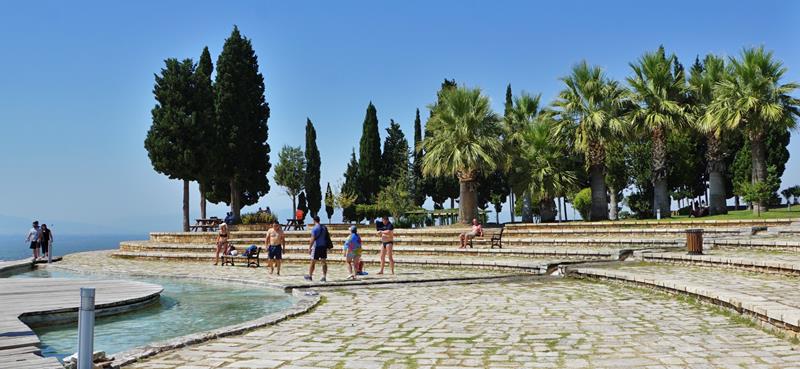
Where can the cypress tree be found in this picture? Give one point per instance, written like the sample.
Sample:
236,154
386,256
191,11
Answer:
302,204
329,202
312,185
369,159
204,107
351,186
395,154
419,191
509,106
171,142
241,123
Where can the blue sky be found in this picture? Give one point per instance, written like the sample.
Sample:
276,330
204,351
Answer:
77,78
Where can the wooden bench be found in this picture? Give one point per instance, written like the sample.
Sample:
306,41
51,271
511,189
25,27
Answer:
252,259
497,239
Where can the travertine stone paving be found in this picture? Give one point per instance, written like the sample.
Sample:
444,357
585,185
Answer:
544,323
291,273
766,259
776,288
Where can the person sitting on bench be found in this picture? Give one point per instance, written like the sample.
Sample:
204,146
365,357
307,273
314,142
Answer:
477,231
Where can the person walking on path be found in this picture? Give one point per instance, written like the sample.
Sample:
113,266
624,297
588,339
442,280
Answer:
477,231
222,242
33,239
318,249
45,240
276,243
387,243
352,252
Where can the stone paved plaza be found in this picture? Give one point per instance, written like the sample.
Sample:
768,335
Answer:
528,322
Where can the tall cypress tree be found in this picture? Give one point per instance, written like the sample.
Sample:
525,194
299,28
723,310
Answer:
204,106
395,154
369,158
509,106
350,186
329,202
419,191
241,123
302,204
312,185
171,142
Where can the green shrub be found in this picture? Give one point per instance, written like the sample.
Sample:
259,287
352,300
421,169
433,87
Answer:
582,202
258,218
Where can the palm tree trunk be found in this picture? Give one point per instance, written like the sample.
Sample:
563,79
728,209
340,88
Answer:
661,201
527,208
736,202
185,205
202,200
599,209
759,163
294,205
511,204
559,212
612,199
547,210
716,175
468,206
236,207
564,205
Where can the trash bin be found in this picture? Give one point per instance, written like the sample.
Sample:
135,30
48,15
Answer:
694,241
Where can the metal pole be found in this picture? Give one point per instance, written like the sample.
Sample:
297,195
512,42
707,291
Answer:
86,329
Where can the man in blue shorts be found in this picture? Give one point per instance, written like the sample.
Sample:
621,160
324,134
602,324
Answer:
318,249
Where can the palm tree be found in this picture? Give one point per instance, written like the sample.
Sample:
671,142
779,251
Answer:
701,85
547,175
521,116
657,88
753,99
591,110
465,142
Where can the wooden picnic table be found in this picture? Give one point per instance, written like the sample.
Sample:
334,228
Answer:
204,225
294,224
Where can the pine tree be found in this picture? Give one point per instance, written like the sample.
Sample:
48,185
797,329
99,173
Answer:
330,202
312,185
395,155
419,191
204,106
351,186
241,123
369,159
172,144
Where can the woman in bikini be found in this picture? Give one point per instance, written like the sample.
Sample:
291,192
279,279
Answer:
222,241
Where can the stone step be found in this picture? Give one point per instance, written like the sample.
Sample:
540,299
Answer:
530,266
580,253
758,264
705,224
765,243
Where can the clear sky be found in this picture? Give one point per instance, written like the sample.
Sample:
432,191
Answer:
76,78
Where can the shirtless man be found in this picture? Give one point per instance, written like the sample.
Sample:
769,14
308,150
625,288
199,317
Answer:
276,243
387,243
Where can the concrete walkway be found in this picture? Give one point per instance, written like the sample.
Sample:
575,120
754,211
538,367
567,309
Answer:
55,300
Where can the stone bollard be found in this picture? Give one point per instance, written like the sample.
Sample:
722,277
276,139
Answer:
694,241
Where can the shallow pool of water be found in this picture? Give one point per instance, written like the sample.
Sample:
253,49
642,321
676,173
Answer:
186,306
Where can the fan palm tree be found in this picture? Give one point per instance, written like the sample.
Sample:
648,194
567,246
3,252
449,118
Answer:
465,142
657,89
701,86
591,109
547,176
521,117
753,99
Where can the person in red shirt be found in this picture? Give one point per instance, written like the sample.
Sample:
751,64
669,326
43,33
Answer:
299,215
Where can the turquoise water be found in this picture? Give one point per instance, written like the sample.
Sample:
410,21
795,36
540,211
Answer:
186,306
